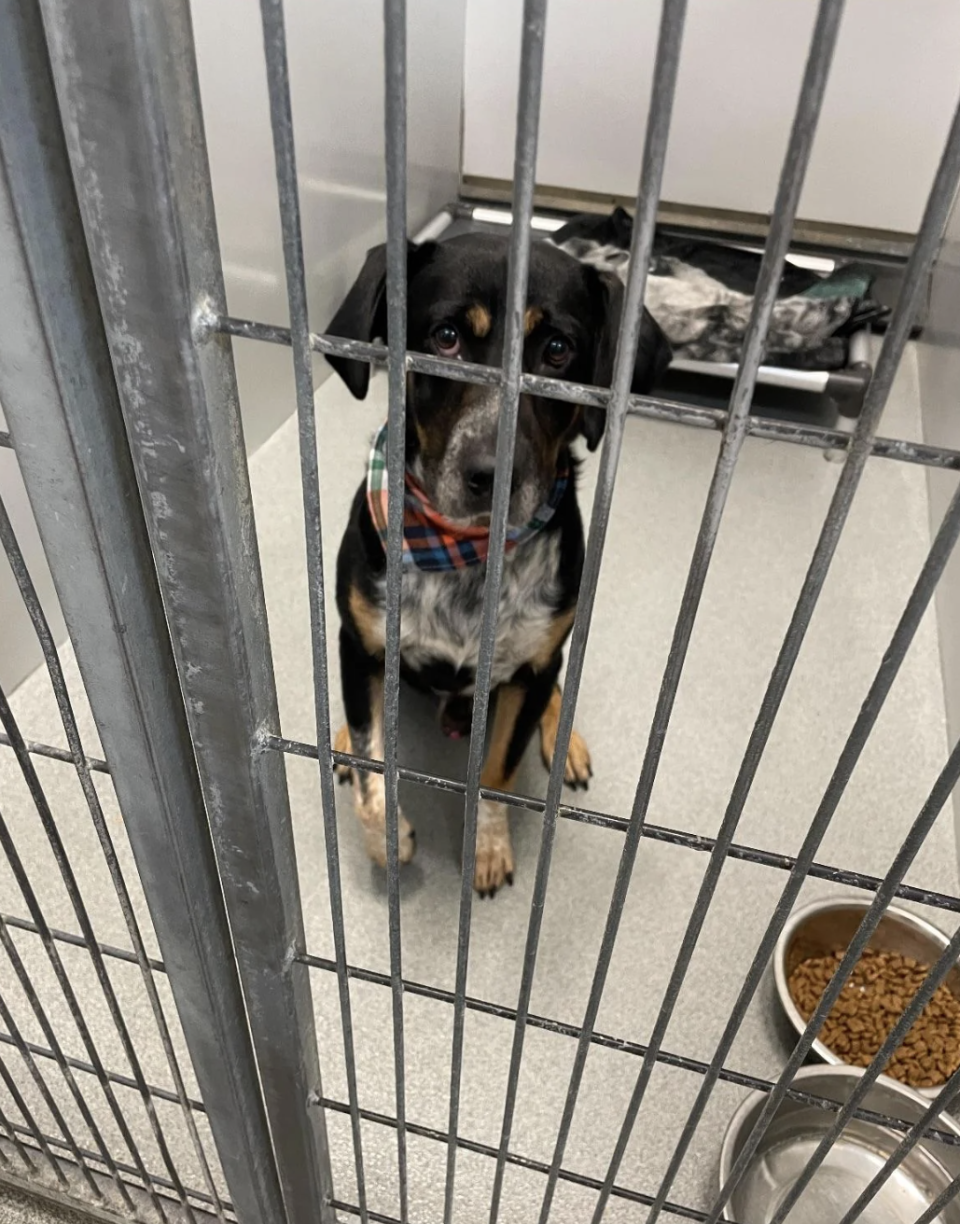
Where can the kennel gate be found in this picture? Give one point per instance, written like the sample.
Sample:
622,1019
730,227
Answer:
119,386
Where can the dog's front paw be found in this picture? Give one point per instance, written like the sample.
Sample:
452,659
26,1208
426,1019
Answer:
494,865
577,770
341,743
375,836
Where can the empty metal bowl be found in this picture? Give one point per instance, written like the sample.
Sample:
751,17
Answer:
818,928
850,1165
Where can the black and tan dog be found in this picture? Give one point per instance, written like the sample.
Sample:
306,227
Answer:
456,310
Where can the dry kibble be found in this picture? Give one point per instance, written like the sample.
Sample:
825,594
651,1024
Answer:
880,987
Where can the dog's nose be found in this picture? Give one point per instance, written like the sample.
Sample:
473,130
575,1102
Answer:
480,480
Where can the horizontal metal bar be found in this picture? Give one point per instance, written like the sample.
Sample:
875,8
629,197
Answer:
644,406
65,936
352,1209
56,754
681,1062
308,1195
163,1186
115,1077
78,941
60,393
603,820
438,995
511,1158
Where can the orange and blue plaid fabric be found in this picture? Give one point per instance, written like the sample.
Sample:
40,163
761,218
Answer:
432,542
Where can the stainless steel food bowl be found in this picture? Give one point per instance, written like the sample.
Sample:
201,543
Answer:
818,928
852,1162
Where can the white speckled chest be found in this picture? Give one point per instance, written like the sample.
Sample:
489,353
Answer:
441,612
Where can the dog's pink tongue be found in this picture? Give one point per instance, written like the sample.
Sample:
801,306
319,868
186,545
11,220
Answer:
455,717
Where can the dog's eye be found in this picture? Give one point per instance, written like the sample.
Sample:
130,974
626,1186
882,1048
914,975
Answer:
556,351
447,339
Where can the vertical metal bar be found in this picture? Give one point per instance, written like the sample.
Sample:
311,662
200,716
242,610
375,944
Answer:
281,120
735,432
49,825
940,1103
942,1201
7,1125
27,1114
518,264
43,1088
146,201
51,656
898,333
893,657
50,1036
395,108
911,1013
60,398
648,196
924,822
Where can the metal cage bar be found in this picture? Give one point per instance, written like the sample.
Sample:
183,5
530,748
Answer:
788,194
893,657
89,941
395,139
648,193
61,401
15,1038
944,1099
646,407
518,264
72,887
144,194
27,1114
46,1028
281,120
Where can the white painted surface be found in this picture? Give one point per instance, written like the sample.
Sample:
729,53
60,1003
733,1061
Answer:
336,70
336,73
895,82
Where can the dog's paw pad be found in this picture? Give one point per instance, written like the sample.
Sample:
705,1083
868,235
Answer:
578,770
493,868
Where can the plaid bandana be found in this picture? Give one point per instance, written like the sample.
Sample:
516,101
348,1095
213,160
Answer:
432,542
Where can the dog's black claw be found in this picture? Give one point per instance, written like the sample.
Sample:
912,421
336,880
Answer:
342,779
590,770
509,878
413,835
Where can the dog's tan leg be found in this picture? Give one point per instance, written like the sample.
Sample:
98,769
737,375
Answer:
369,792
578,771
494,865
341,743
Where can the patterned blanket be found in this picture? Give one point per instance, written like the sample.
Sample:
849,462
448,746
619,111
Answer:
701,295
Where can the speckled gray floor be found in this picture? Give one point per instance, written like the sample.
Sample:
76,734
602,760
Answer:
779,497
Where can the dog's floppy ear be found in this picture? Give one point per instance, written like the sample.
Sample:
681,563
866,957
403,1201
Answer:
363,312
653,354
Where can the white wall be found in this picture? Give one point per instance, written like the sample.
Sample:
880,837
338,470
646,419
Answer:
336,71
336,67
894,84
939,367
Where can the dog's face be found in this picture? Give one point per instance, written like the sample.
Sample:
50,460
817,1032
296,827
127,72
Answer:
456,309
